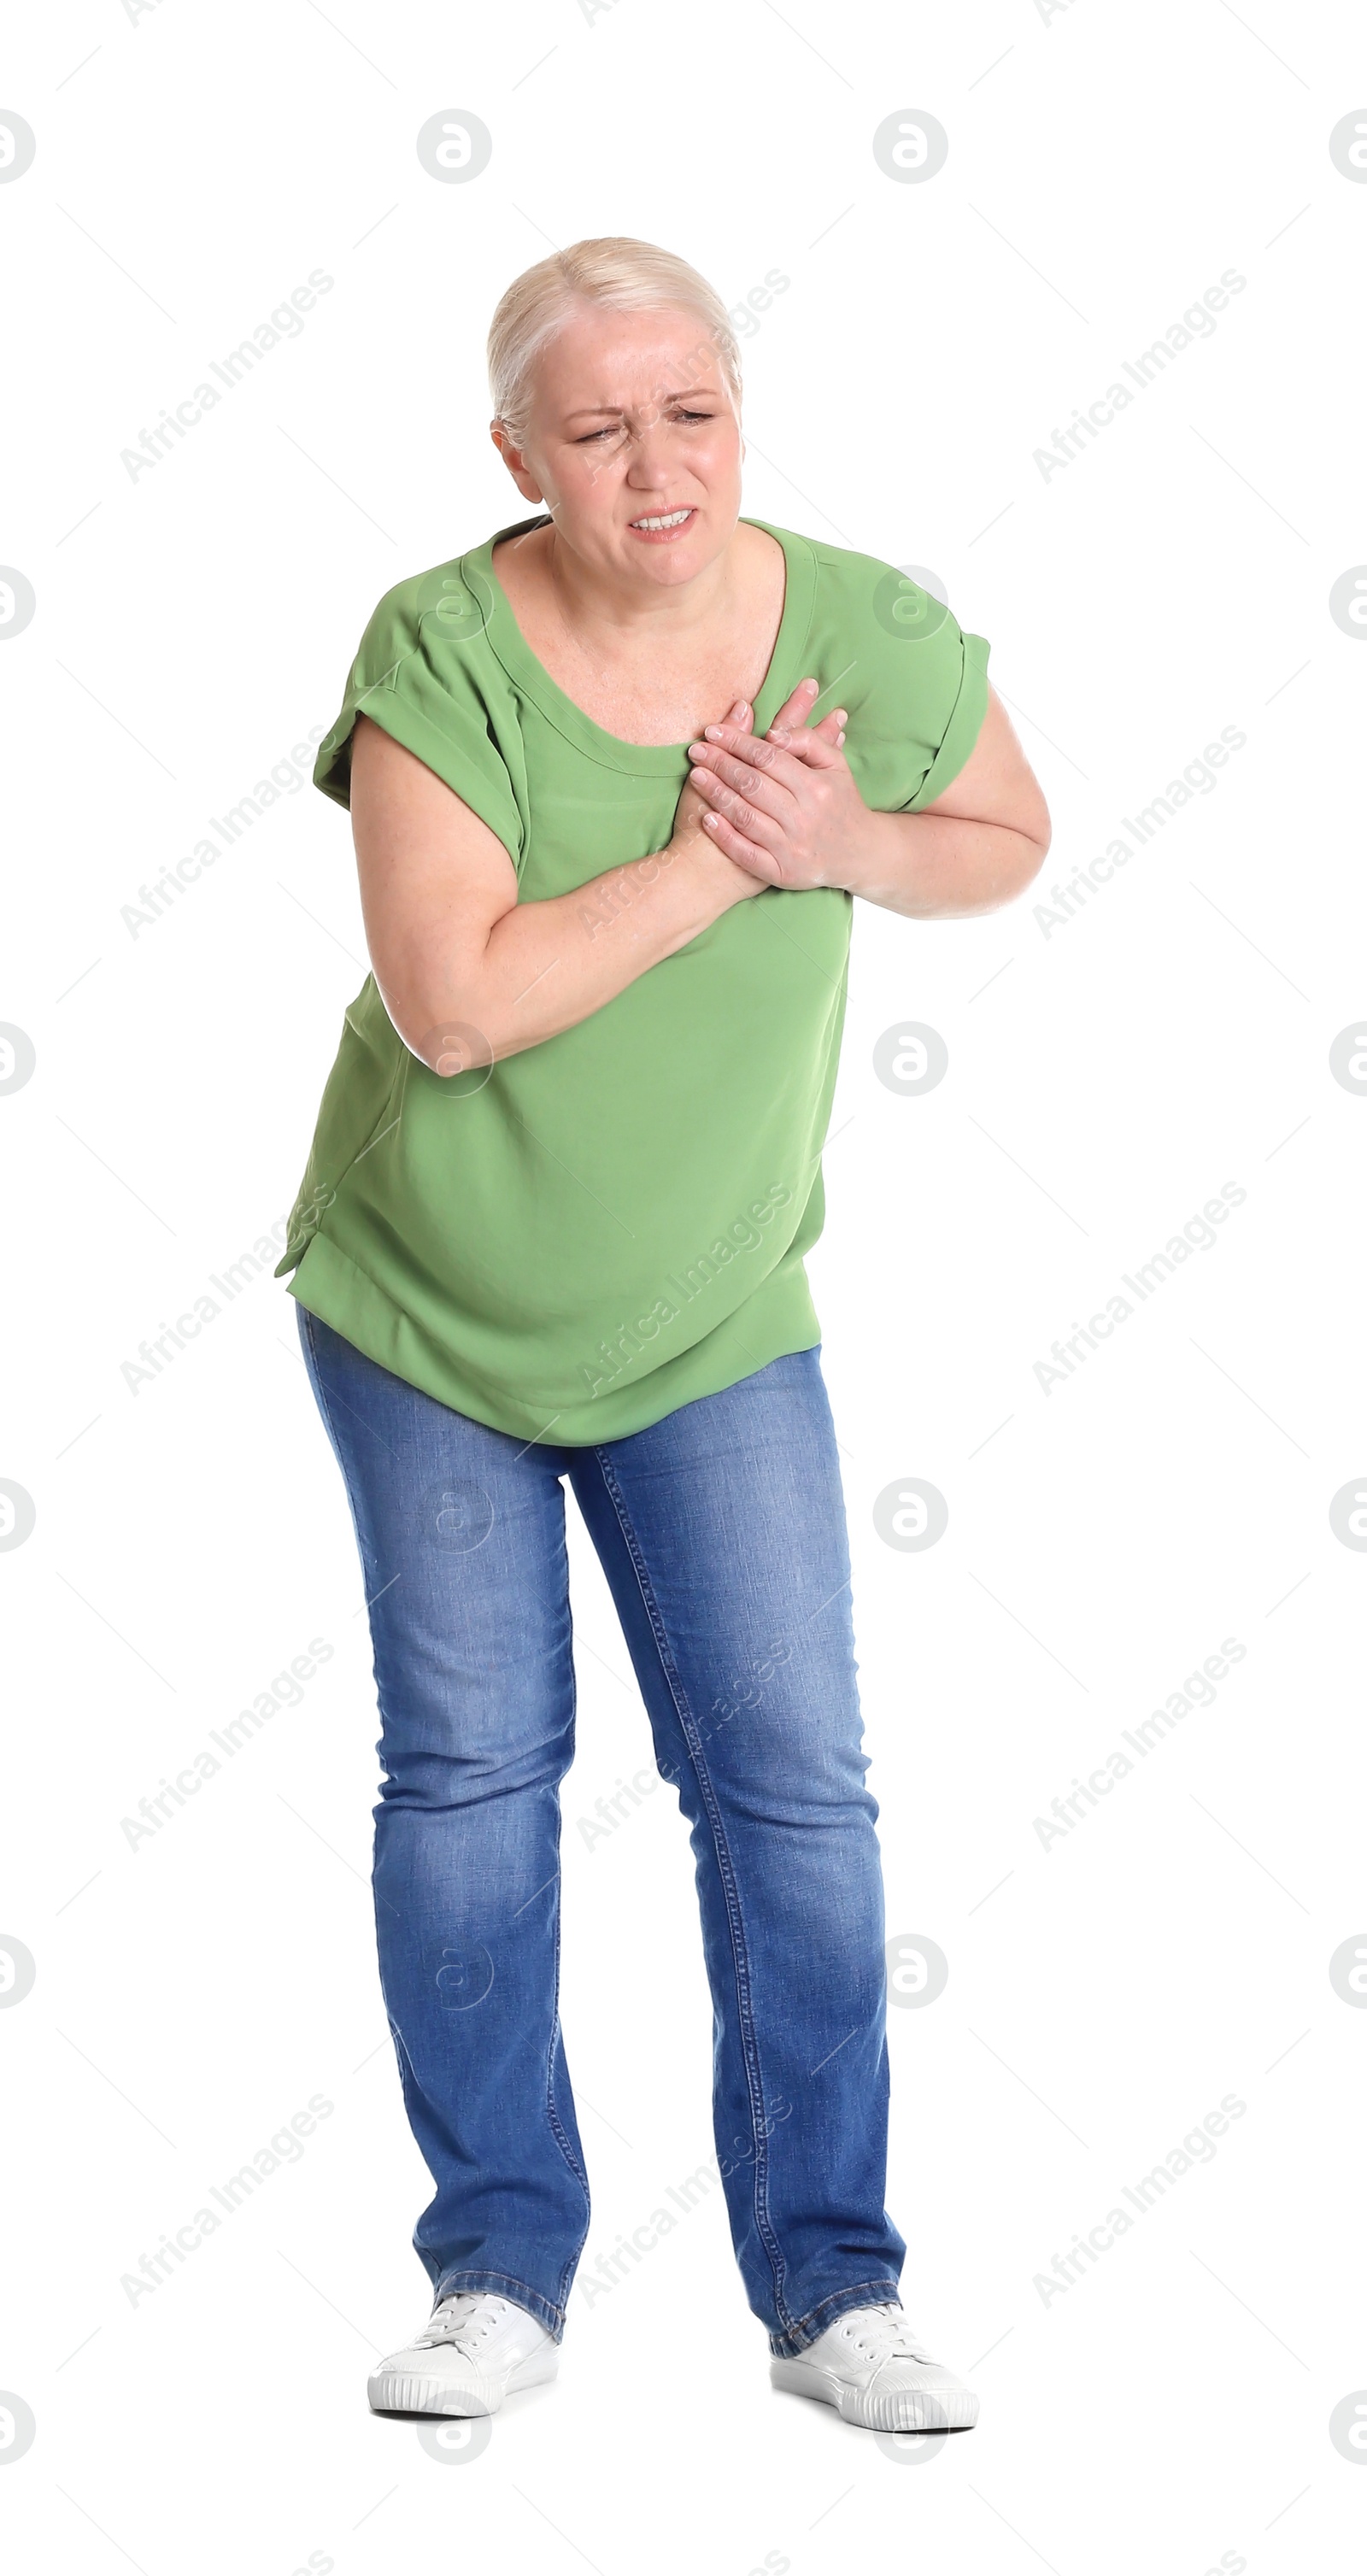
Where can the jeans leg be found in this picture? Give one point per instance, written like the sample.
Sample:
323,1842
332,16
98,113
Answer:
461,1534
722,1533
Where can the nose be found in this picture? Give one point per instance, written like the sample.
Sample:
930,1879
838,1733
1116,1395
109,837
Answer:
647,430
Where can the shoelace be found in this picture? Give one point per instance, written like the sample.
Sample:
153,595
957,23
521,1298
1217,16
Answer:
883,2332
458,2321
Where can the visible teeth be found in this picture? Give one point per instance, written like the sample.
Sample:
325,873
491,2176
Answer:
675,519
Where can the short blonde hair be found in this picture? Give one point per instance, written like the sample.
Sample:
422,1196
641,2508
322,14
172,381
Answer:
623,275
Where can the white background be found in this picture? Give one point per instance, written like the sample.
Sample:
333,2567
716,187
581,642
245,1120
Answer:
1107,163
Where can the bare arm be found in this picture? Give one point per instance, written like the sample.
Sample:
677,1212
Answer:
788,807
466,971
975,847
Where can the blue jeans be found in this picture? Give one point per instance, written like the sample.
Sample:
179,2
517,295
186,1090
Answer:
721,1531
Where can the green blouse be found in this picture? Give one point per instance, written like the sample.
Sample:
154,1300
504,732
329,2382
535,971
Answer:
571,1243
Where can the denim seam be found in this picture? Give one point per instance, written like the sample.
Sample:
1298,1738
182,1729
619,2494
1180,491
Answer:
479,2276
739,1951
571,2263
838,2304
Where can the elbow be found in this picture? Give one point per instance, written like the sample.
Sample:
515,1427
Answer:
1033,839
448,1042
1014,864
453,1046
1037,848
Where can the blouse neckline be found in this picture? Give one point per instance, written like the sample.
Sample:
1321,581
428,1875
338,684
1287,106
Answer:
644,759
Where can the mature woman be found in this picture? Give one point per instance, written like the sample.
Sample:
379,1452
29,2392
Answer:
615,776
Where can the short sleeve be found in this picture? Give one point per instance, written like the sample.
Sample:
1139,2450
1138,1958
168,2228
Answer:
424,673
914,682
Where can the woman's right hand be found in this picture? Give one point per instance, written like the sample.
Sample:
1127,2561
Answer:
688,833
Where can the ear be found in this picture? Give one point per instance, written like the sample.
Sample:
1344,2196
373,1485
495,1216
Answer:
512,457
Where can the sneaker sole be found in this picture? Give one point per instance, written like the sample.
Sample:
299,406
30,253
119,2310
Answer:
904,2410
406,2392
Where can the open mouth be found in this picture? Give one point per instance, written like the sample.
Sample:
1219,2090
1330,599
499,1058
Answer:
662,525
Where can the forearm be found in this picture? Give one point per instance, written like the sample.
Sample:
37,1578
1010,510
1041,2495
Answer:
547,965
938,866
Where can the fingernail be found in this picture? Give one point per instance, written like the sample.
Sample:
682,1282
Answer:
839,739
713,733
842,715
741,707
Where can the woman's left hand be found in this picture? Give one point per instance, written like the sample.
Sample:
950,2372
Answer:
782,804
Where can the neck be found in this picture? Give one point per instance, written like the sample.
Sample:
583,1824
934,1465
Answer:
613,610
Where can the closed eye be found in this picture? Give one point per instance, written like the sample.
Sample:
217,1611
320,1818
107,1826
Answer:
613,429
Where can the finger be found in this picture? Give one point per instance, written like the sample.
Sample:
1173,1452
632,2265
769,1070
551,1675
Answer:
818,745
740,717
754,770
743,813
736,845
797,708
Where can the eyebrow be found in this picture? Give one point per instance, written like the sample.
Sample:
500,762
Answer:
615,411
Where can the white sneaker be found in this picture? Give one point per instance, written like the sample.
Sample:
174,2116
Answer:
872,2367
474,2351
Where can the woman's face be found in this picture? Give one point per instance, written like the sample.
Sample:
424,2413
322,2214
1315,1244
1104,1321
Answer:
631,421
